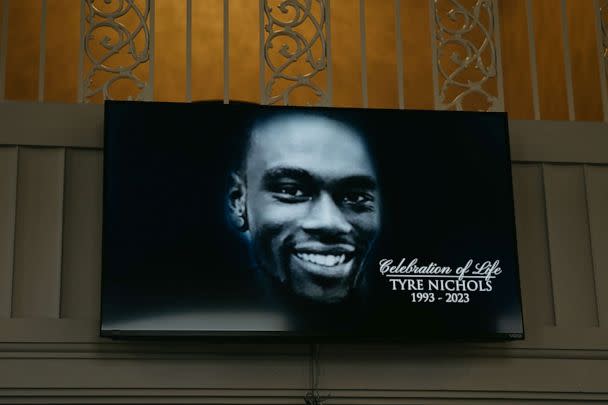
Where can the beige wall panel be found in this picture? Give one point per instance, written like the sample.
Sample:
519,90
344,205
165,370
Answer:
583,53
22,54
516,59
566,363
78,125
62,51
38,233
546,341
190,371
81,264
208,49
570,247
558,141
268,396
244,50
417,55
532,246
381,369
381,46
81,125
170,50
8,190
345,370
36,330
597,189
550,59
346,53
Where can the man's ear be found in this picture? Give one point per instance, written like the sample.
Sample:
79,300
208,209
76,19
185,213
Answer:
237,207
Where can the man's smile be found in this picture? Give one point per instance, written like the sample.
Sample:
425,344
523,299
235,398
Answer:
322,259
326,261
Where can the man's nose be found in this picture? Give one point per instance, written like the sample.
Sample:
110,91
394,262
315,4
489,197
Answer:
326,217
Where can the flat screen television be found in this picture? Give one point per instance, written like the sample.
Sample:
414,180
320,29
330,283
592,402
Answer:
242,220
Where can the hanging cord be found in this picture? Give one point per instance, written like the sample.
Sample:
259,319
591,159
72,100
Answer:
312,397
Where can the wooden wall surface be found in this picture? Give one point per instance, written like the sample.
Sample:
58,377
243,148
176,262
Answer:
547,50
50,233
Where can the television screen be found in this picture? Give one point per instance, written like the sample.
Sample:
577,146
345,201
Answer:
247,220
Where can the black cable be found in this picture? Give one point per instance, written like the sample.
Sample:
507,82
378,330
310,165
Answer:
312,397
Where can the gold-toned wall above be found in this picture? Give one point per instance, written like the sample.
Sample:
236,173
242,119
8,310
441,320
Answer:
551,53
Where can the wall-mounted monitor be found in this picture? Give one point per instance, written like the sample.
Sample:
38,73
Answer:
246,220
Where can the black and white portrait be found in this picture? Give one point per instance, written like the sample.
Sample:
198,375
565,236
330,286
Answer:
298,221
306,196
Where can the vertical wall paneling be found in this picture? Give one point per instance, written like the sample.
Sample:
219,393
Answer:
171,50
516,44
586,83
548,33
38,228
80,81
244,68
500,84
188,50
62,51
81,264
381,51
417,49
363,43
570,246
262,60
346,57
602,48
207,50
433,36
149,91
4,10
597,199
226,36
567,60
42,51
533,61
329,88
21,81
534,270
8,195
399,53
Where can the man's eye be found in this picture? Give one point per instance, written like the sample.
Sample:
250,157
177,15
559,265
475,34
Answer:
291,190
290,193
357,198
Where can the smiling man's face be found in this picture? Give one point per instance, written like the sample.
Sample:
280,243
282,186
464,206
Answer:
311,203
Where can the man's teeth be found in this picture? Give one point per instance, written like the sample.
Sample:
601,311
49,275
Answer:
323,260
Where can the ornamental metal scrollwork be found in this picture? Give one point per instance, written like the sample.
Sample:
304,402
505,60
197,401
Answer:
116,43
466,55
292,57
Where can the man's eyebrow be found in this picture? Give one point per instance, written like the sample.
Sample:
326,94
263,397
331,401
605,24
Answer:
358,181
355,181
295,173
